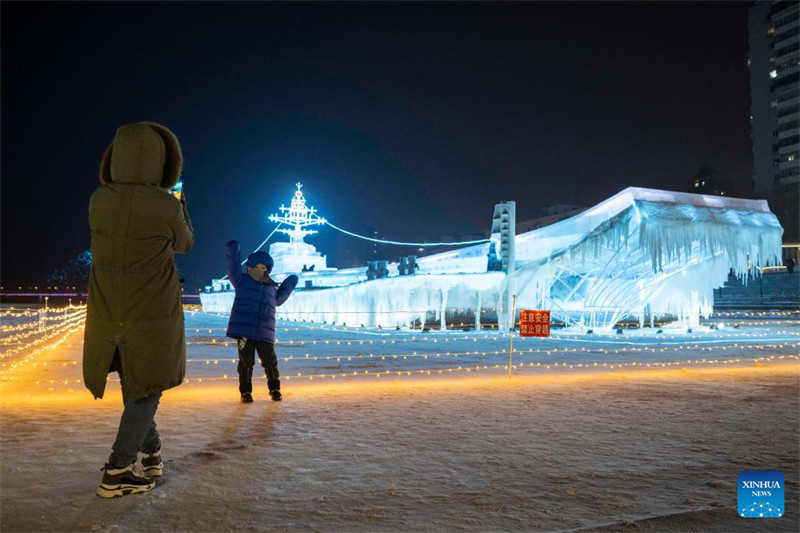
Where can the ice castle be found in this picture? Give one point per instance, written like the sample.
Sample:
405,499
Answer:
640,254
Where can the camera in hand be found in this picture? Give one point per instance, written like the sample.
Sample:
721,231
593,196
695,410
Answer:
177,190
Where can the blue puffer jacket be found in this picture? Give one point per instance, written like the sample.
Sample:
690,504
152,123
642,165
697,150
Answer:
253,313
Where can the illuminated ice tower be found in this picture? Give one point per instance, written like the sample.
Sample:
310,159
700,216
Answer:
290,257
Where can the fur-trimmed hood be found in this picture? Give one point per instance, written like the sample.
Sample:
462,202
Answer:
144,152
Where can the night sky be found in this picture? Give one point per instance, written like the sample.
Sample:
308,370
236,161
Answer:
408,119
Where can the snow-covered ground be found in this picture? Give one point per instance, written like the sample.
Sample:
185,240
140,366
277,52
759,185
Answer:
429,434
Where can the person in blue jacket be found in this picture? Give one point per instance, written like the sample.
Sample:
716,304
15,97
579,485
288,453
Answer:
252,321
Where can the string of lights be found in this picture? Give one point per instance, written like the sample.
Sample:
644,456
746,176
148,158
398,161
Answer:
562,365
435,334
52,318
387,312
401,243
15,312
708,338
60,336
23,342
742,345
19,327
27,311
381,330
19,337
473,310
42,333
464,368
35,318
229,342
521,352
436,325
757,313
197,309
547,351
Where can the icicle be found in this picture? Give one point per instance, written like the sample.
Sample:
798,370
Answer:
443,311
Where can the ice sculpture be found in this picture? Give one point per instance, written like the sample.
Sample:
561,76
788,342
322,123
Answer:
642,253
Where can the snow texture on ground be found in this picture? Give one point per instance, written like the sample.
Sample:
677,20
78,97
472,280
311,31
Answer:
643,449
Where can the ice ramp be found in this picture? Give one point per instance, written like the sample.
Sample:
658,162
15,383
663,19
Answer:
642,253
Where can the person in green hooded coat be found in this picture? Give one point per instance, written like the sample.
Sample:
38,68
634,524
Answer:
134,316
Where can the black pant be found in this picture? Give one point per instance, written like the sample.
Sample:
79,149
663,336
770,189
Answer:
247,359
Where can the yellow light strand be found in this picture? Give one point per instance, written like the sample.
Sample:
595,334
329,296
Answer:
465,368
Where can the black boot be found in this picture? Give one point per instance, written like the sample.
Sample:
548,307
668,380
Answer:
275,389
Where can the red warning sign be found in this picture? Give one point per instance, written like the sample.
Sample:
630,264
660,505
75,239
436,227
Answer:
534,323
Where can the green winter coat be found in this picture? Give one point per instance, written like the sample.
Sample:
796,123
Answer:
134,304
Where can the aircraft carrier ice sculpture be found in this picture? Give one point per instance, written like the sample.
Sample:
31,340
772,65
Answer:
641,253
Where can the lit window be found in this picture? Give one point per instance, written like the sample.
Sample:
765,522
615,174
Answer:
773,73
791,157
